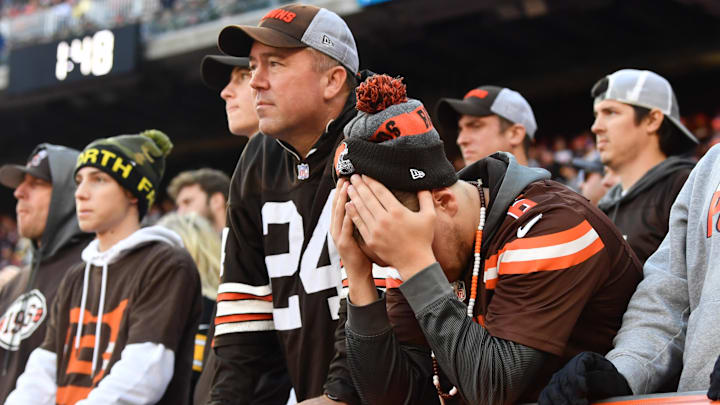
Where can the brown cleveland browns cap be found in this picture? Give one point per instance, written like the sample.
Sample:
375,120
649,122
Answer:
295,26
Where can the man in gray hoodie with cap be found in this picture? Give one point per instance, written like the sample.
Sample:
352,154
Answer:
640,137
45,215
670,329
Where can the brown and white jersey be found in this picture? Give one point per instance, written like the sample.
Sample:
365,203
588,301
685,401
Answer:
557,275
281,280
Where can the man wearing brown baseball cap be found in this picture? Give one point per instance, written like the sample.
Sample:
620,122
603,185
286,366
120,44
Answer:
281,276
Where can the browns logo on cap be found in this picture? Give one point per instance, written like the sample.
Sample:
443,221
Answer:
295,26
393,140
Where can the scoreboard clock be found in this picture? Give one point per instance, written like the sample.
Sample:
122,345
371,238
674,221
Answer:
97,54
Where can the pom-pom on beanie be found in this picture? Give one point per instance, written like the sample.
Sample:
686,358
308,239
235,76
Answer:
392,140
137,162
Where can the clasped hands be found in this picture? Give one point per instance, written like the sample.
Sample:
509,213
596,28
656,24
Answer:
393,235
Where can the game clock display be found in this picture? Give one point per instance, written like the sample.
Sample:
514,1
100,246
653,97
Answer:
83,58
93,55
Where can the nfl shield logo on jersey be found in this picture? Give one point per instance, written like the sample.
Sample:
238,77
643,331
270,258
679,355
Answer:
303,171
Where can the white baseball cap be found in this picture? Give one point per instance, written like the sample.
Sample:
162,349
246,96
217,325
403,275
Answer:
642,88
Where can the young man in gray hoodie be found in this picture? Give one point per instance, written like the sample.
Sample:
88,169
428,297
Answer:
670,329
640,137
45,215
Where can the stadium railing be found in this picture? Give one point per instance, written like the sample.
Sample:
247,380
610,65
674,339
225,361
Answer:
674,398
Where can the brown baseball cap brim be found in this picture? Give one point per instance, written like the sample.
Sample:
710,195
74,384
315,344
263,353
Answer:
215,70
236,40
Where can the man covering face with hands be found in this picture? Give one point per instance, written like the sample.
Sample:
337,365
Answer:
535,270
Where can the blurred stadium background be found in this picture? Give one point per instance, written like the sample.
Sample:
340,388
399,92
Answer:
75,70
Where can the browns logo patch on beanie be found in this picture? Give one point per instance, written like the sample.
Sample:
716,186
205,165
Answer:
392,140
136,162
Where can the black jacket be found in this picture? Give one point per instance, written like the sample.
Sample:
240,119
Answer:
32,291
643,212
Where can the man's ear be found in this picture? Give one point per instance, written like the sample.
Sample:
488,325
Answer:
445,200
130,196
653,121
334,81
515,134
217,201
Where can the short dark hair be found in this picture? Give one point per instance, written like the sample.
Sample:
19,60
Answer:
211,181
672,141
527,141
504,124
325,62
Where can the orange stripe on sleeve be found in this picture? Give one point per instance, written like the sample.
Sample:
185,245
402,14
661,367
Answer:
240,296
242,318
552,239
554,263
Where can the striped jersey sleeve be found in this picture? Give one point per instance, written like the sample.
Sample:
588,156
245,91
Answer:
541,270
384,277
245,299
243,308
553,251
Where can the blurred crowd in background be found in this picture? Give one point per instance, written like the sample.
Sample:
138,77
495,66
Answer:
25,22
555,153
13,249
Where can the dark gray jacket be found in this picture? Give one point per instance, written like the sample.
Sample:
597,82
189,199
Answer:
642,213
30,293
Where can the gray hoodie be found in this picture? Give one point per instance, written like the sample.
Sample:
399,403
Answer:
671,325
32,291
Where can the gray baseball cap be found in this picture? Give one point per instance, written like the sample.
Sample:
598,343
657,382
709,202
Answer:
37,166
484,101
295,26
642,88
215,70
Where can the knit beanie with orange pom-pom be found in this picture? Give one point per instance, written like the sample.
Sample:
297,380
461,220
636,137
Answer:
393,140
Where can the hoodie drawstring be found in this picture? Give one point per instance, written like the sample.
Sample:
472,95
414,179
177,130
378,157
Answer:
93,257
98,324
83,300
